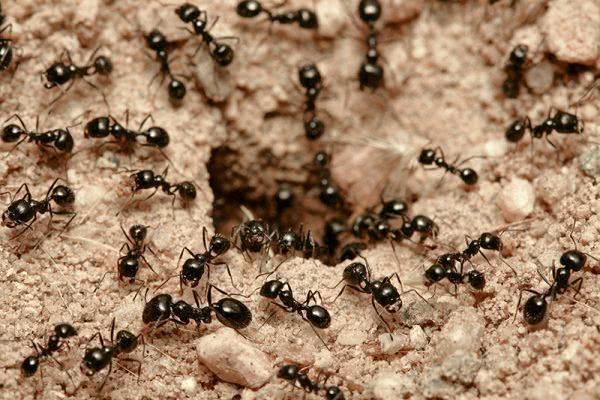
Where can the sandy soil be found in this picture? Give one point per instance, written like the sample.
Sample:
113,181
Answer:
444,70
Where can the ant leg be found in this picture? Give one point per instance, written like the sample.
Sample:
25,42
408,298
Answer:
106,377
62,93
270,316
387,326
542,275
62,367
521,298
112,330
418,294
578,282
130,240
269,273
20,120
395,275
336,285
204,233
342,291
316,333
148,117
100,282
139,369
148,265
228,272
101,92
99,334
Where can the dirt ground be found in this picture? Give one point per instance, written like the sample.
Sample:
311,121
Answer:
444,69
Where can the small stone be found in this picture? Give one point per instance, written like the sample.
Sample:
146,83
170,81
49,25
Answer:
215,81
351,337
331,19
516,200
418,338
589,162
551,188
448,380
189,385
573,39
462,332
397,11
389,385
495,147
234,359
540,77
393,343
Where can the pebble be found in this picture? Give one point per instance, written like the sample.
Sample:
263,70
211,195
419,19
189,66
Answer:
463,332
573,39
215,81
589,162
391,344
234,359
452,377
332,18
351,337
189,384
517,199
540,77
418,338
389,385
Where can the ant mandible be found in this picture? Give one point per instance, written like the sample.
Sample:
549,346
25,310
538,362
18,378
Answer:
157,41
305,18
193,268
514,71
57,139
431,157
24,211
60,73
310,79
357,276
229,311
31,364
317,316
96,359
220,52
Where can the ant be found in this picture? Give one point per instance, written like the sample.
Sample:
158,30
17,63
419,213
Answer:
96,359
229,311
147,179
514,71
444,267
102,127
357,276
305,18
536,306
330,194
284,198
31,364
333,229
60,73
316,315
351,250
299,378
310,79
24,211
430,157
254,236
157,42
370,74
57,139
220,52
6,50
193,268
561,122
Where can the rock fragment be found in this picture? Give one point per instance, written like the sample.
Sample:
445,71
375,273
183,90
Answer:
393,343
234,359
589,162
418,338
389,385
462,332
516,200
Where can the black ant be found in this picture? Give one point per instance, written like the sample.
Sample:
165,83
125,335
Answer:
351,250
536,306
357,276
96,359
24,211
561,122
305,18
330,194
193,268
431,157
317,316
102,127
334,228
310,79
147,179
229,311
6,50
31,364
60,73
445,267
157,42
284,199
220,52
254,236
57,139
514,71
299,378
371,72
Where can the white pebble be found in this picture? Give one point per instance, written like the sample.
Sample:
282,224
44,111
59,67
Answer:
418,338
389,385
391,344
495,147
351,338
234,359
189,385
516,200
331,18
540,77
462,332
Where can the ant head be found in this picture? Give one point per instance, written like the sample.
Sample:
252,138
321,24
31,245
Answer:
424,224
64,330
187,12
249,8
59,73
476,279
187,191
11,133
355,273
271,289
103,65
62,195
427,156
126,341
565,122
157,136
288,372
309,76
490,241
95,359
351,251
307,19
288,241
369,10
17,213
155,40
223,54
573,259
469,176
318,316
219,245
138,233
177,90
393,208
29,366
284,197
447,260
518,55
